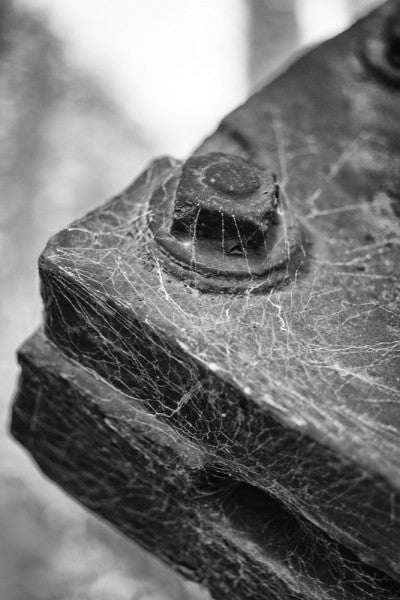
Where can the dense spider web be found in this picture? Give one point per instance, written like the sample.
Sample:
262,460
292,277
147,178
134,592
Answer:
184,354
266,424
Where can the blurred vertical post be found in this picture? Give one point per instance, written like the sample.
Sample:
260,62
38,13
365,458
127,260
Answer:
273,37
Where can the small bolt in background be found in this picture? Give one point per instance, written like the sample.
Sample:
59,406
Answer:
382,49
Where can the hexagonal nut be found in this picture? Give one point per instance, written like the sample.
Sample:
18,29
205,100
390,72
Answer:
224,196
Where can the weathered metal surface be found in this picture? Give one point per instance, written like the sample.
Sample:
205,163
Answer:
137,471
291,385
382,49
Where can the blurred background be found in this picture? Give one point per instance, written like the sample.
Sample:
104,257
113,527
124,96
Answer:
90,91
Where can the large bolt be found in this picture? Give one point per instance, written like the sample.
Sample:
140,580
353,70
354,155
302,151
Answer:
224,197
215,218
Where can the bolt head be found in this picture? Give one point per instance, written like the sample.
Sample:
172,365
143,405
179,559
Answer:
214,222
221,196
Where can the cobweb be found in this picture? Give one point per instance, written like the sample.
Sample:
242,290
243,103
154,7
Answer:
276,390
281,406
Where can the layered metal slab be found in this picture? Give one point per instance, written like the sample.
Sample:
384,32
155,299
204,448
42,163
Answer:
132,468
274,361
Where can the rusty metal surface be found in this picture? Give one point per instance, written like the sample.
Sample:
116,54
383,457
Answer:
331,131
294,390
157,485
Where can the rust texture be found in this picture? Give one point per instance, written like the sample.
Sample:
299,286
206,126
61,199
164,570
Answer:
229,396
